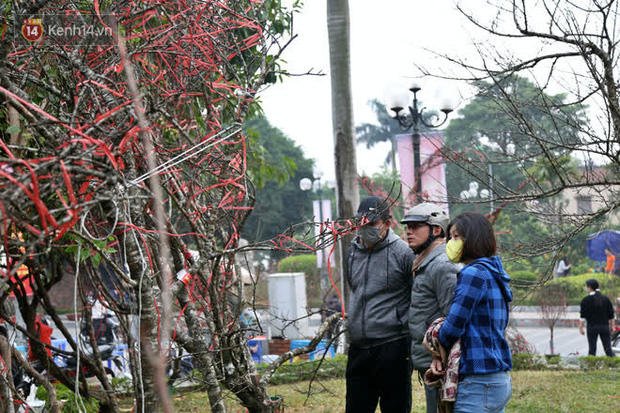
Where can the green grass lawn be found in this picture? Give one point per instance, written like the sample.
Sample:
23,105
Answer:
533,391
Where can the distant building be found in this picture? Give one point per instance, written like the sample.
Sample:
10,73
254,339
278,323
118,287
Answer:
589,199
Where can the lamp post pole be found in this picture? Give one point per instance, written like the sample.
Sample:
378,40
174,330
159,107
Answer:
417,164
411,119
306,185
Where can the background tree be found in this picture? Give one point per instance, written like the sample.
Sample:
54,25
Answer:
574,68
552,299
342,113
385,130
276,164
485,133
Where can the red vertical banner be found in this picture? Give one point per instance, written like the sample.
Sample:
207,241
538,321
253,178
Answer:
433,168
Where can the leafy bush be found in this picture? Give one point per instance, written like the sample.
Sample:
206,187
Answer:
70,406
294,372
585,266
299,263
522,283
597,363
542,362
122,385
575,286
527,361
518,343
525,277
336,367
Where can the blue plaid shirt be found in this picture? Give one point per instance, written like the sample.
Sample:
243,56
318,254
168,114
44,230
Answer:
479,316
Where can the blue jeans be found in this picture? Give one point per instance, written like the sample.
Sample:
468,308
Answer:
483,393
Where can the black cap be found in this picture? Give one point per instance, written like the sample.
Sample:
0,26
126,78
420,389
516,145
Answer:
373,208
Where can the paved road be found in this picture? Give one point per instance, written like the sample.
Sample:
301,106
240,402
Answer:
566,340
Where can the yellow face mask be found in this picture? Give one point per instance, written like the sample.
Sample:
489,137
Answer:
454,250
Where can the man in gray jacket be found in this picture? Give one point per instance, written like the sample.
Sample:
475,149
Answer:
434,278
379,277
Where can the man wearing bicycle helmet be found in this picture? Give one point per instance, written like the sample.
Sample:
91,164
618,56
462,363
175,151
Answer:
434,278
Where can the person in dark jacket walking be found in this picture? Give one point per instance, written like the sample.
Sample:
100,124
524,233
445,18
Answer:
598,311
434,278
378,272
478,317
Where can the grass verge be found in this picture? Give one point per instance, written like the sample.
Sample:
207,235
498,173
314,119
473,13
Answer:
533,391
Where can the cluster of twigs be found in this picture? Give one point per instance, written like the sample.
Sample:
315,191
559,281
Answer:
123,165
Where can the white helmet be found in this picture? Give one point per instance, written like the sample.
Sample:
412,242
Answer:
429,213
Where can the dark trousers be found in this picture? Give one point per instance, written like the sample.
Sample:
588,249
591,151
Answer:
593,333
380,374
431,392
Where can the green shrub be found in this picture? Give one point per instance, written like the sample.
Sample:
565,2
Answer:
528,277
584,266
64,394
572,286
299,263
336,367
575,286
599,362
526,361
305,370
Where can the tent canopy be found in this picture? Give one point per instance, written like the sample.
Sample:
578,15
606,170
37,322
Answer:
598,242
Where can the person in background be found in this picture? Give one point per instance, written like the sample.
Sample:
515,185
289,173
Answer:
610,265
378,272
478,318
434,278
563,268
598,311
331,306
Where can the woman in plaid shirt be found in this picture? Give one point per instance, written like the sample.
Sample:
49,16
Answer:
478,317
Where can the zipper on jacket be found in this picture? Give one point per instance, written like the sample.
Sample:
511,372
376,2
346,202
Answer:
364,296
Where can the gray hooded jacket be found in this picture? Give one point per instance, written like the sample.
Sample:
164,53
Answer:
431,296
380,282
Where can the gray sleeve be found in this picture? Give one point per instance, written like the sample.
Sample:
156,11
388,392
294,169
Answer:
445,281
347,266
408,263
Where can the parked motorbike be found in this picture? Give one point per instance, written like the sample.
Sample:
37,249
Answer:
615,340
179,365
106,335
106,330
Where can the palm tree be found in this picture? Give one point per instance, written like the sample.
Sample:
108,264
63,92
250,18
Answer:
385,130
342,112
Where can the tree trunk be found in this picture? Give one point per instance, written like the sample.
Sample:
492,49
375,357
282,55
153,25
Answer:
6,377
347,193
147,398
551,341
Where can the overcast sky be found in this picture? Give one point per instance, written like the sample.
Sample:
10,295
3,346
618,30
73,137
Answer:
387,38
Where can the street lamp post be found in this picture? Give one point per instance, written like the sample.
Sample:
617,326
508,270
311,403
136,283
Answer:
412,118
484,194
306,184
